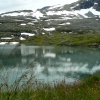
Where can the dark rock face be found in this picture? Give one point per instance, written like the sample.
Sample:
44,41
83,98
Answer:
84,4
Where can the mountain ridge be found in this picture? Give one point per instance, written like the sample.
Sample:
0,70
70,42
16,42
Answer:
89,5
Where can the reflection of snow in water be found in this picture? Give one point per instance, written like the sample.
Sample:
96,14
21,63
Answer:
51,55
25,50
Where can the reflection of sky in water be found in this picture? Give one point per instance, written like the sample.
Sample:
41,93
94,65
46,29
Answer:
49,63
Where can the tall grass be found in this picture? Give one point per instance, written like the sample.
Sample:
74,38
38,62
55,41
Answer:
88,89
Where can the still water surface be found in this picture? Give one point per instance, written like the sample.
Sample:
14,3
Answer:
49,63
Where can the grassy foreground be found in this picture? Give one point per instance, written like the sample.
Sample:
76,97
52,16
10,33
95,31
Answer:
88,89
66,39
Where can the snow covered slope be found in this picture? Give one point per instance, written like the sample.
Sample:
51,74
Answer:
79,9
36,14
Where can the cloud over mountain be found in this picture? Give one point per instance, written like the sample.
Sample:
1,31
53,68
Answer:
11,5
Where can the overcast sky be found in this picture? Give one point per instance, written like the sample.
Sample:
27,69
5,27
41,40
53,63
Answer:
11,5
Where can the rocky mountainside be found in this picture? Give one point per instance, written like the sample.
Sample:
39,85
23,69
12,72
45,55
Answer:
78,17
85,4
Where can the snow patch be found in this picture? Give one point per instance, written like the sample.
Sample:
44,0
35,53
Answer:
18,20
3,43
95,3
68,23
11,43
60,12
43,33
14,43
67,14
29,18
21,38
6,38
84,11
37,14
49,29
29,34
23,24
30,23
18,14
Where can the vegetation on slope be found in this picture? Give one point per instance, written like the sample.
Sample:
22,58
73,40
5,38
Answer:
66,39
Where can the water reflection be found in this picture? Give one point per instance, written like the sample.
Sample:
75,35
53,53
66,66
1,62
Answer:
50,63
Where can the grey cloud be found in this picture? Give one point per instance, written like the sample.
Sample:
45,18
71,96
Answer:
11,5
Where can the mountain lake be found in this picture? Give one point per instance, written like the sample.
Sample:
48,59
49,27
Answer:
48,63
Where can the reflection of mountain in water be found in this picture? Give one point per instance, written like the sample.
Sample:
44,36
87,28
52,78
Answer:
64,60
53,62
10,55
